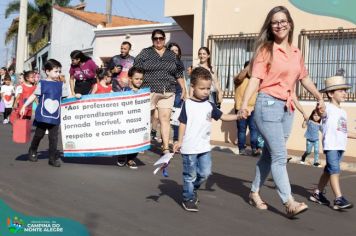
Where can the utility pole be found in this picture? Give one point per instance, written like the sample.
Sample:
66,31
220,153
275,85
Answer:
108,11
21,37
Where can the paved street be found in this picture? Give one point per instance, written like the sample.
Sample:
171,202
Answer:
113,201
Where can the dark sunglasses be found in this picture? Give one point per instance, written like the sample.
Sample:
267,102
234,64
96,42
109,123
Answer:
158,38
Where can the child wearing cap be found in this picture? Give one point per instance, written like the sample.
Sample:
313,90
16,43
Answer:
335,134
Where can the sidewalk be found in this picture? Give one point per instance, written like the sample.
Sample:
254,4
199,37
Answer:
348,163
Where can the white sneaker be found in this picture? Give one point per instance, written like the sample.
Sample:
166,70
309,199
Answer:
302,162
6,121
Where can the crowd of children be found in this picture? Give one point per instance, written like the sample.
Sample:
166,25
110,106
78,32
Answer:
14,93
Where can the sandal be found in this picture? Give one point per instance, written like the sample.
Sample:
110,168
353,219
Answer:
294,208
256,201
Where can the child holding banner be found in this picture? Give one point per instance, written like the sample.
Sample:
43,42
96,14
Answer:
194,136
47,116
104,84
136,79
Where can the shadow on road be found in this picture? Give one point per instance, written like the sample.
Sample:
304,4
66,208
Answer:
41,155
80,160
168,188
235,186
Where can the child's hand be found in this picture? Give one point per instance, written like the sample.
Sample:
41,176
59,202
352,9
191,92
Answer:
22,111
176,147
78,95
239,116
320,106
243,113
305,116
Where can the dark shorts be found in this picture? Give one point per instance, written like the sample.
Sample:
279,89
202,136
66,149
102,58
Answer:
84,86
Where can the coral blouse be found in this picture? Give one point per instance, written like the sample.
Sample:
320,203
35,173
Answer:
279,79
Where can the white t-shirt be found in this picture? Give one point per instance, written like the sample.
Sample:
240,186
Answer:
334,127
18,90
7,92
197,116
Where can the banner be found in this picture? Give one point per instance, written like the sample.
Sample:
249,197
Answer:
106,124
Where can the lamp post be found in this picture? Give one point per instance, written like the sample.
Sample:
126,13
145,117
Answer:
21,37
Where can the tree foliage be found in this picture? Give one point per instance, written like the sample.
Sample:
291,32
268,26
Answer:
38,18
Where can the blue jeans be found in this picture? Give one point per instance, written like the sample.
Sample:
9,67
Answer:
333,159
177,103
241,132
310,146
274,123
196,169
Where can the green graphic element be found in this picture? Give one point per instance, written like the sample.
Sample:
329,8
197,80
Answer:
344,9
14,223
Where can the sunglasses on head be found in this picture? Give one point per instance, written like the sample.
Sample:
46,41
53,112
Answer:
158,38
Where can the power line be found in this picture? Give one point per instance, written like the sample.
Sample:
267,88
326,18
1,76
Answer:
128,7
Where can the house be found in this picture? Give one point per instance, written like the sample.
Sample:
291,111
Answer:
108,40
73,29
325,31
77,29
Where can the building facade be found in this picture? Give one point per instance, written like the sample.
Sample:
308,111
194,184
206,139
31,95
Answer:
323,31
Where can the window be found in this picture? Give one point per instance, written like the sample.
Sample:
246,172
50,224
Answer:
229,54
325,52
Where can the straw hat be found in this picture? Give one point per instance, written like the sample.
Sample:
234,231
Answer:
335,83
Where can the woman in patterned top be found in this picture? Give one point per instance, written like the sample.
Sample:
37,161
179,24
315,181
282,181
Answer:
162,72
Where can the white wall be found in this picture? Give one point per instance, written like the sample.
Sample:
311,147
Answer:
69,34
108,45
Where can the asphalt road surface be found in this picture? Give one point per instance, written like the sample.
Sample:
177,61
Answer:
112,201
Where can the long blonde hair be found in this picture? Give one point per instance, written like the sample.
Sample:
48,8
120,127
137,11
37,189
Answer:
265,39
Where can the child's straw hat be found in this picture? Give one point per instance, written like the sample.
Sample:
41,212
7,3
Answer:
335,83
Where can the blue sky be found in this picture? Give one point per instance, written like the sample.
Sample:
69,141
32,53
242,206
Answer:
142,9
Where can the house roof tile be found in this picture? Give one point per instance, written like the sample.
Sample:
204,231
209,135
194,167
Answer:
94,18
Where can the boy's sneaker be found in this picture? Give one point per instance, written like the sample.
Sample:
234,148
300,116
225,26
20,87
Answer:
6,121
302,162
319,198
196,199
32,156
121,160
316,164
54,162
190,206
132,165
342,203
243,152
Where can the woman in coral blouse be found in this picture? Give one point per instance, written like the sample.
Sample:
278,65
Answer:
276,67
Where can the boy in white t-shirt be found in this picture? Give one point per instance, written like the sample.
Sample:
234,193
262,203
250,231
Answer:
335,134
194,136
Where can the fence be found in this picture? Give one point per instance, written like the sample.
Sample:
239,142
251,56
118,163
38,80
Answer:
324,51
229,53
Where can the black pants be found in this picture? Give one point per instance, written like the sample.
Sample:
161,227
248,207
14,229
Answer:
7,112
52,138
84,86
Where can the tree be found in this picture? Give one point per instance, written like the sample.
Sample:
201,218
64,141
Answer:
38,21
